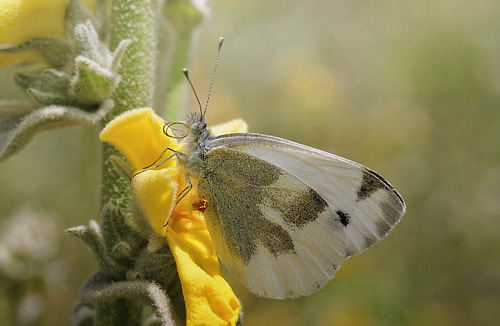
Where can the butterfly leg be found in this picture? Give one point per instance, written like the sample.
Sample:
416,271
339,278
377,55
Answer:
185,191
153,166
183,194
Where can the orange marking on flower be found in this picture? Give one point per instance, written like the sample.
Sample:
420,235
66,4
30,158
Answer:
202,204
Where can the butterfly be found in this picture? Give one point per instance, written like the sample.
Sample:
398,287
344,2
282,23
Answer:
283,216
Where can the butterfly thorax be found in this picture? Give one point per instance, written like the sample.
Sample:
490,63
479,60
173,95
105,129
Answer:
195,144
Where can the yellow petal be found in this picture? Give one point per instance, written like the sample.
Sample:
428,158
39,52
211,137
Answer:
24,20
138,135
230,127
209,299
155,192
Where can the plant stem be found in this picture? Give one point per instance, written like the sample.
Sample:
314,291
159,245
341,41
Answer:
175,94
133,20
182,23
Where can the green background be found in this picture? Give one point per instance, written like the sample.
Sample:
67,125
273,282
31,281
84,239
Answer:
410,89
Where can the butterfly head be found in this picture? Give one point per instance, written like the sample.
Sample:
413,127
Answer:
197,133
196,124
194,127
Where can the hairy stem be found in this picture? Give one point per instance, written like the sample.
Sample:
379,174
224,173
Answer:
133,20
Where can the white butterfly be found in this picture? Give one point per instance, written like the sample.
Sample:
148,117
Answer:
283,216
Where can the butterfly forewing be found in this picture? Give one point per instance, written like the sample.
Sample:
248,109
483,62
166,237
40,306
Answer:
283,216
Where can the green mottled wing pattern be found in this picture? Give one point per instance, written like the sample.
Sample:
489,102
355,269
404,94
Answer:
283,216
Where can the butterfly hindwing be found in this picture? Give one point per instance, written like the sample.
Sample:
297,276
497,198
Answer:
283,216
260,218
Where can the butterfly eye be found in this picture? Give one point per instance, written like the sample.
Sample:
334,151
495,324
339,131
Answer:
176,129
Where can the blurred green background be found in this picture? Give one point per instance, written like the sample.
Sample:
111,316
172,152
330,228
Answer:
409,89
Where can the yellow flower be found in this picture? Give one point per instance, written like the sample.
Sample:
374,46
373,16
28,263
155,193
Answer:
24,20
138,135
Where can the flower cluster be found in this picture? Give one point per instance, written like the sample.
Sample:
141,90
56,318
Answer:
138,135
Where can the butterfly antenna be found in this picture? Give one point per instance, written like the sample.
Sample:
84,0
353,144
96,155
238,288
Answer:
221,40
185,72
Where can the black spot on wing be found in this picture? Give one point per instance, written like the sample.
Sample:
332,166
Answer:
344,218
371,182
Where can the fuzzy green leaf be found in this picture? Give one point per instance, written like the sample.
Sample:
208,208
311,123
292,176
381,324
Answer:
152,321
49,80
96,245
122,167
75,14
17,131
88,42
92,84
99,288
121,239
48,98
118,55
56,52
12,112
158,266
121,251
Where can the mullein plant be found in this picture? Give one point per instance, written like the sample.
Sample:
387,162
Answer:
100,62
